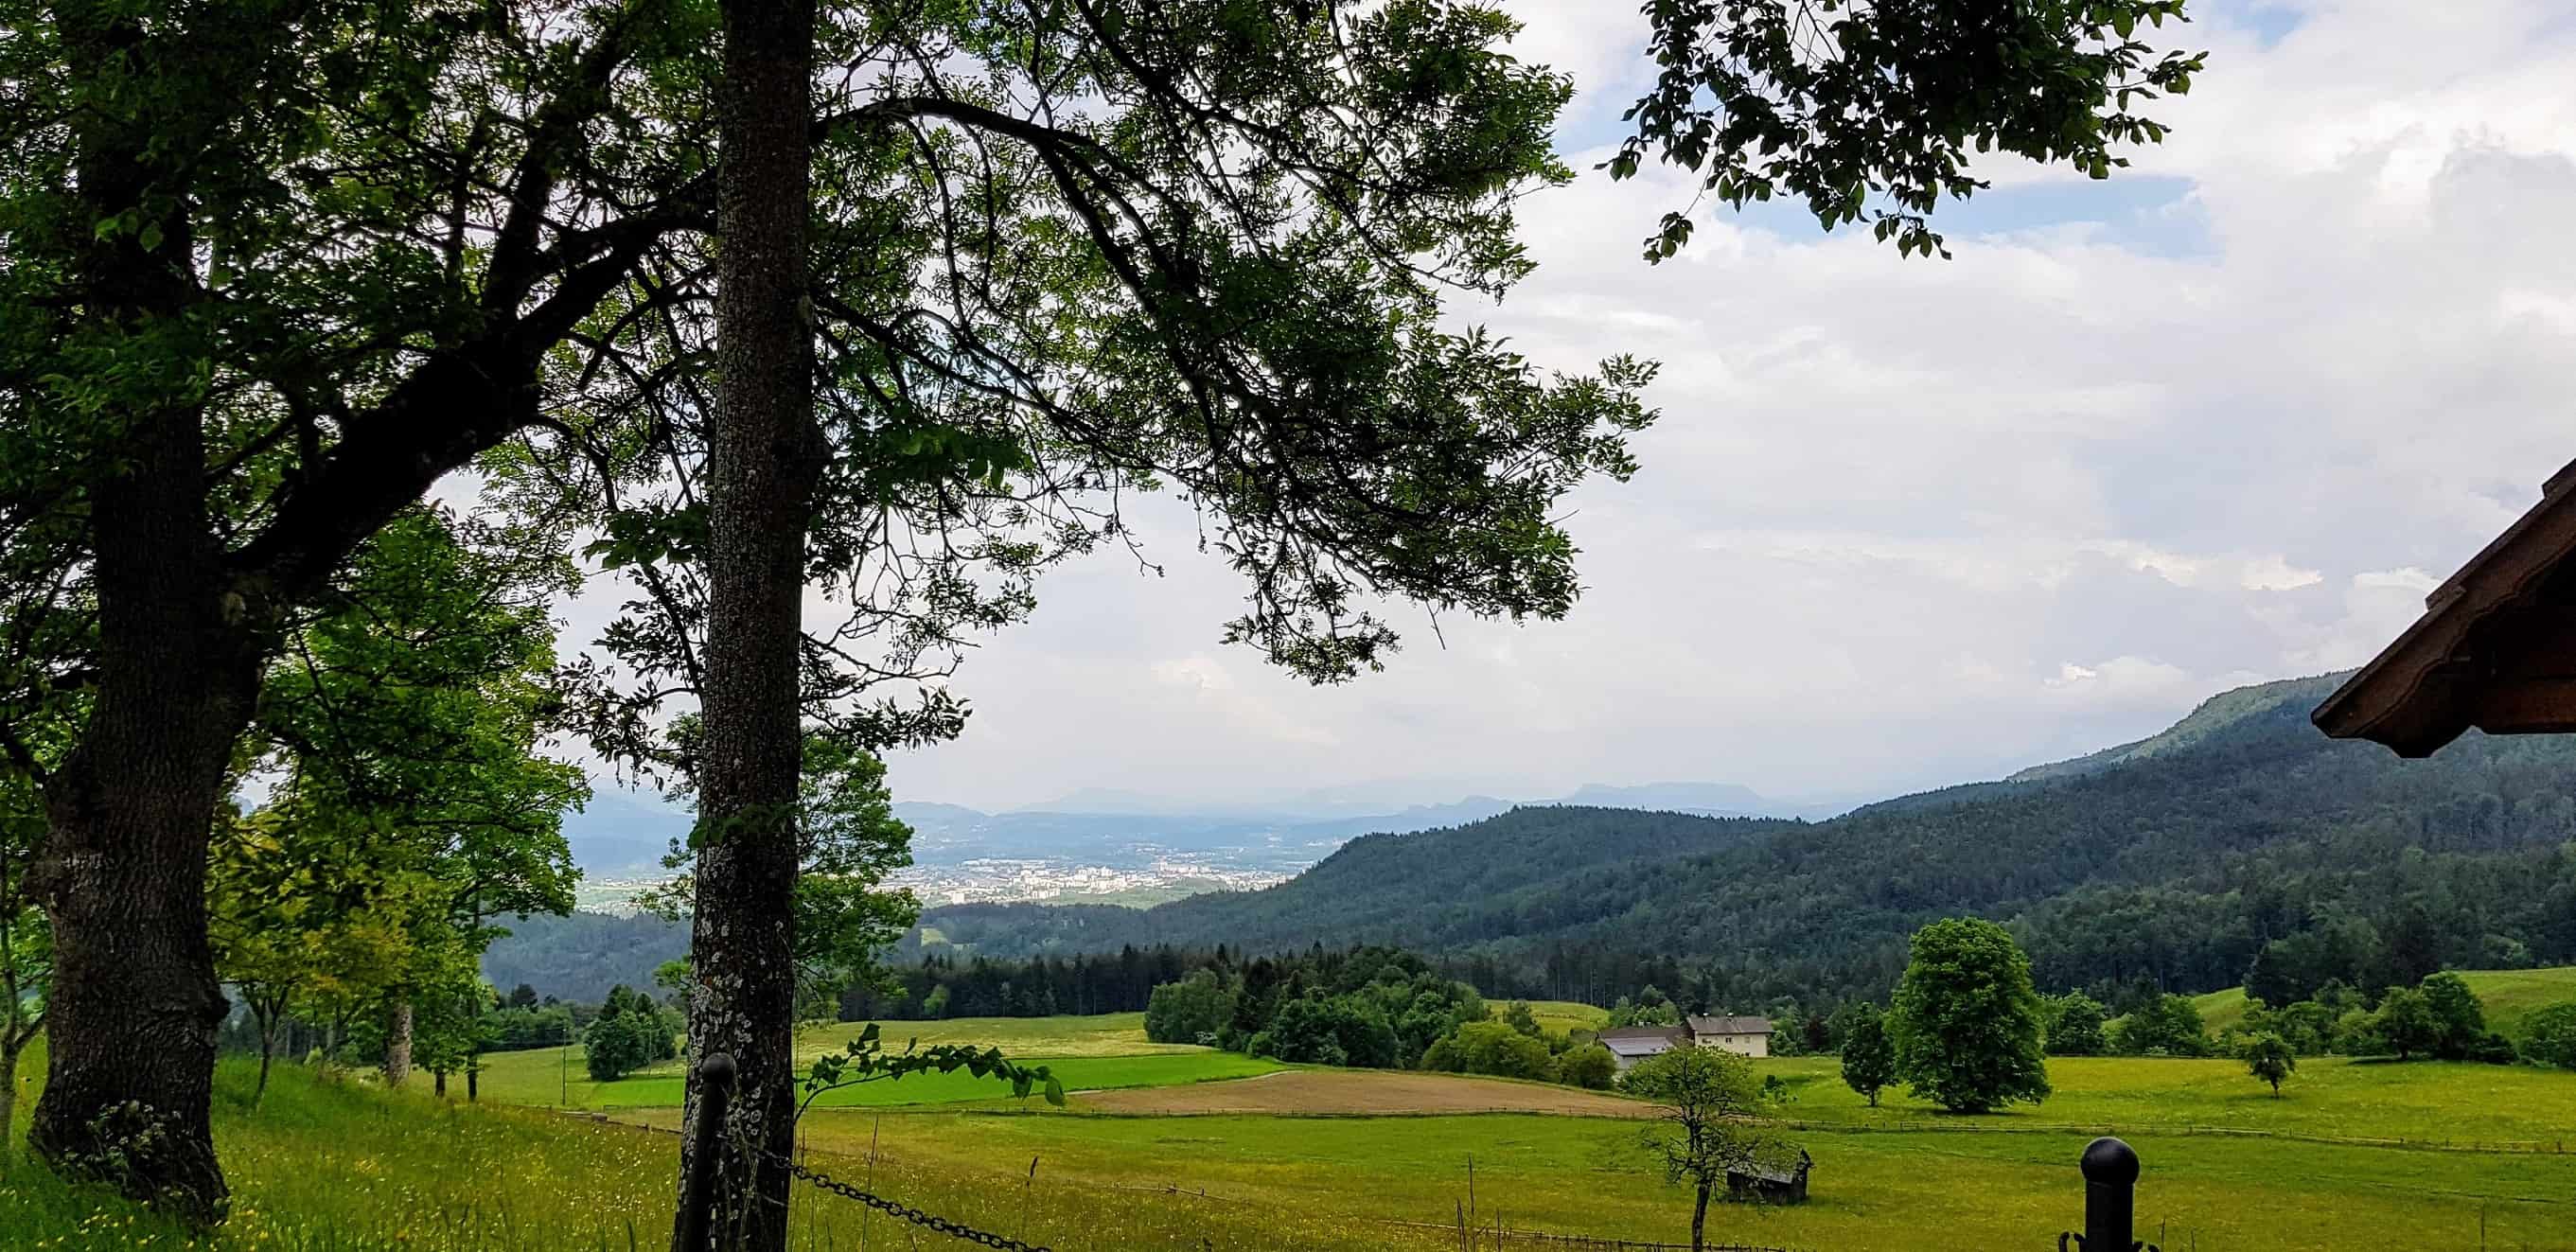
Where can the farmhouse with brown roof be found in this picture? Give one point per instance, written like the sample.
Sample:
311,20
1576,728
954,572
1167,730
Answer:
1744,1036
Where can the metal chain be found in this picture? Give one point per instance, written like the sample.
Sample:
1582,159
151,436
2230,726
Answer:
905,1212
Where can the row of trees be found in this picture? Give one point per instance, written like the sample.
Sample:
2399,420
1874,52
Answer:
1369,1007
1372,1007
1968,1031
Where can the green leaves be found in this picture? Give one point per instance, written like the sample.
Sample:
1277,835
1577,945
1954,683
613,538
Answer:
1874,112
1965,1021
865,1060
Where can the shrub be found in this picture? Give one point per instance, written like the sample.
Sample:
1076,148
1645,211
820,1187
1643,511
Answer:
1193,1010
2492,1049
1334,1030
2549,1036
1490,1048
1590,1067
2169,1025
2075,1025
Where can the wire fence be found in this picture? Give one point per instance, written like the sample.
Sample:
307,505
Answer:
904,1212
2507,1147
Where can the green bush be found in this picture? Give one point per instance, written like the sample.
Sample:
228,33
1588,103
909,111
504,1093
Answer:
1329,1030
2169,1025
1590,1067
1193,1010
2074,1025
1490,1048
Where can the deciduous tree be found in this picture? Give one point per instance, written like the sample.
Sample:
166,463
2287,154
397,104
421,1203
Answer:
2269,1059
1708,1101
1871,109
1965,1022
2075,1025
2549,1036
1869,1058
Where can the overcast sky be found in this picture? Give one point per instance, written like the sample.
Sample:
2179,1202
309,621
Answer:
2221,419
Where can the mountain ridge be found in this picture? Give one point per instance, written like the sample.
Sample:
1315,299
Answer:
2173,860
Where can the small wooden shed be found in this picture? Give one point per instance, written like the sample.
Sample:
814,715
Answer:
2495,649
1771,1182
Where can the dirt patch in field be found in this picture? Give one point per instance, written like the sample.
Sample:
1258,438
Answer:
1362,1092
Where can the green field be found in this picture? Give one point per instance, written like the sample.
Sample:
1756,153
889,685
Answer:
1561,1016
2329,1097
344,1165
534,1081
2508,995
1099,1053
1931,1191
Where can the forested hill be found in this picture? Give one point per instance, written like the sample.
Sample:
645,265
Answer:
2173,861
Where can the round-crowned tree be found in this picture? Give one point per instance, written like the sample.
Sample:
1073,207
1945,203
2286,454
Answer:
1966,1022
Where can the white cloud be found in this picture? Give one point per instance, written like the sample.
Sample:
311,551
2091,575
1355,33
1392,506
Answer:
1907,521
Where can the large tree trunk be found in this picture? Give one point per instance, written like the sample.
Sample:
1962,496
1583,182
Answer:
1699,1219
398,1043
765,455
134,1005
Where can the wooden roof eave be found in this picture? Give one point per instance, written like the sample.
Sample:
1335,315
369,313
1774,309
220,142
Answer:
2489,652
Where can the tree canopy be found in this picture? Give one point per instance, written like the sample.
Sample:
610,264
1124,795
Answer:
1965,1022
1870,109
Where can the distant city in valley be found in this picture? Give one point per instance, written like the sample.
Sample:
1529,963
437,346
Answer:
1116,848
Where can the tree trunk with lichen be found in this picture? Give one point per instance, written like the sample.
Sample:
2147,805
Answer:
398,1043
765,457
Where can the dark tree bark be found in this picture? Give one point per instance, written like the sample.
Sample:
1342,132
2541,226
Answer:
765,457
135,1004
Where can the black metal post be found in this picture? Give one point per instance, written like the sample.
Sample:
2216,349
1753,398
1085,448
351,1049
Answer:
2110,1195
697,1191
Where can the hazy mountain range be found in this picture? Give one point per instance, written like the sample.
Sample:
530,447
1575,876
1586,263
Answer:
623,835
2171,863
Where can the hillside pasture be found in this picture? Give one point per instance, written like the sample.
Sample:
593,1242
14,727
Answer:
1561,1016
2509,995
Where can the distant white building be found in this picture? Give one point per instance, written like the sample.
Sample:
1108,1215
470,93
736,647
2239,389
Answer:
1744,1036
1631,1044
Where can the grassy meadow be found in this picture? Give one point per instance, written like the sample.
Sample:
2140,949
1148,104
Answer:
2508,995
2329,1097
346,1165
1561,1016
1105,1052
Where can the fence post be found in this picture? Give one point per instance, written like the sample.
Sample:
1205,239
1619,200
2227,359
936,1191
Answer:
697,1193
2110,1195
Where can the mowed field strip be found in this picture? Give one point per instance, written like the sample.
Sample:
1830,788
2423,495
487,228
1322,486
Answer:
1363,1092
